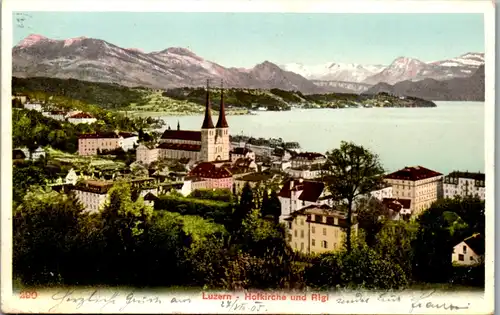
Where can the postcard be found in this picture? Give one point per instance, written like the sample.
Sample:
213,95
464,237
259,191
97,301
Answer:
268,157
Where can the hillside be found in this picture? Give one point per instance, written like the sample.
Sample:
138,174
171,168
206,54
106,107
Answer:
458,89
188,100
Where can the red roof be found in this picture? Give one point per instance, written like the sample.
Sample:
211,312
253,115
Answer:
180,146
397,204
308,156
100,135
182,135
81,115
210,170
311,190
413,173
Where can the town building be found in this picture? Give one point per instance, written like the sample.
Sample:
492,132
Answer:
55,114
401,208
299,193
147,155
21,97
212,176
33,106
307,159
27,154
419,184
92,143
462,184
208,145
241,153
316,229
383,192
253,179
469,252
81,118
313,171
92,194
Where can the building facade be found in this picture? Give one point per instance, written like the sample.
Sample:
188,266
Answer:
81,118
92,143
241,153
214,177
463,184
299,193
92,194
147,155
469,252
307,159
419,184
317,229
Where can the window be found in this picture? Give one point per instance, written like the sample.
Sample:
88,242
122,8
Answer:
329,220
301,246
465,249
302,234
313,229
295,233
471,258
460,257
324,244
302,222
313,242
324,231
290,225
318,218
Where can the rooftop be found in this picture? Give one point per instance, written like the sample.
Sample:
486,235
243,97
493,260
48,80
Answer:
474,176
310,190
182,135
210,170
476,243
413,173
81,116
308,156
180,147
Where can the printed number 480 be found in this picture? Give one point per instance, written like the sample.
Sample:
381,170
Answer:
28,294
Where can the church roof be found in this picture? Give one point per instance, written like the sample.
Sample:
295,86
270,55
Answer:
207,121
182,135
180,146
222,122
210,170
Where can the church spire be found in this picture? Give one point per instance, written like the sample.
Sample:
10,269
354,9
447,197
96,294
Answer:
178,125
221,122
207,122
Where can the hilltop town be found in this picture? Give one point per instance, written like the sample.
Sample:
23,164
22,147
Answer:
124,203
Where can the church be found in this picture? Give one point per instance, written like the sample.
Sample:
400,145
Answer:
210,144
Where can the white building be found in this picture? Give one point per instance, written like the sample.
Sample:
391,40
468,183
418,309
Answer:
81,118
128,140
37,154
464,184
419,184
71,178
307,159
57,115
33,106
469,252
382,193
241,153
147,155
92,194
299,193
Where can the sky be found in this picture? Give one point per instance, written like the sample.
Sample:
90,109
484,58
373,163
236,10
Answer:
246,39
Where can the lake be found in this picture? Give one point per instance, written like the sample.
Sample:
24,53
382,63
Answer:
443,138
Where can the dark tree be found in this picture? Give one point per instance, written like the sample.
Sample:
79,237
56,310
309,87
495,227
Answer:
371,217
264,209
245,206
352,171
274,206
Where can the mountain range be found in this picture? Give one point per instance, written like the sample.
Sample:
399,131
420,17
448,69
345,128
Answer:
457,89
100,61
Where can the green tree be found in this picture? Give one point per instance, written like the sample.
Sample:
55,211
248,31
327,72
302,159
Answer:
245,206
46,226
371,215
352,171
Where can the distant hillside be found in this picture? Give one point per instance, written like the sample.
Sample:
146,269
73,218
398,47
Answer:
188,100
458,89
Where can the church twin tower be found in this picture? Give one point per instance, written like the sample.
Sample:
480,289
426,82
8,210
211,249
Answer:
215,140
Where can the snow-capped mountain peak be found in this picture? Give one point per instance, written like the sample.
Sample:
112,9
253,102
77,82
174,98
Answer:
31,40
333,71
71,41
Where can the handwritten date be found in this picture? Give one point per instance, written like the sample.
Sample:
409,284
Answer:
255,306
